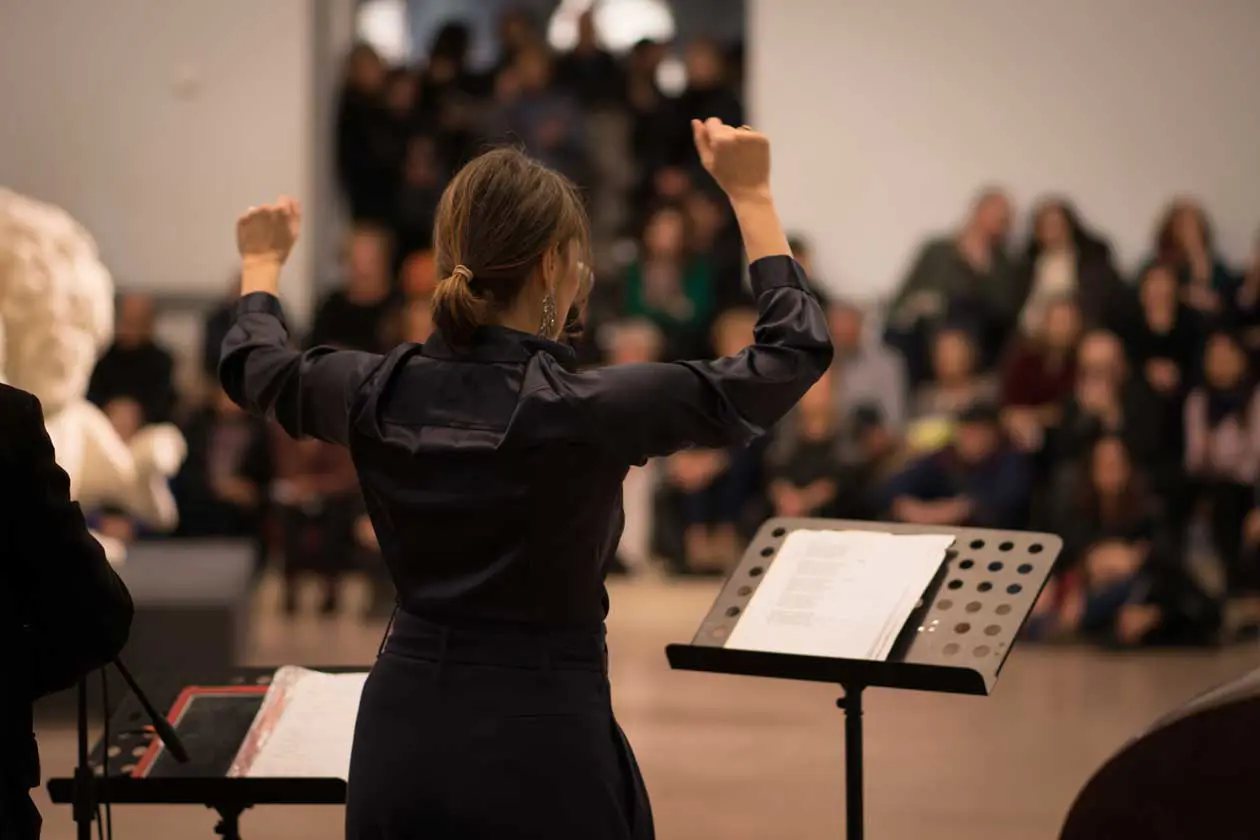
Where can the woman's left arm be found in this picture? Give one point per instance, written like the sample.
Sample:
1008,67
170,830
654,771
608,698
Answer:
309,394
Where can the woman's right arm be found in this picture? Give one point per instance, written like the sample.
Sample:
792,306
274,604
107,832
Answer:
646,410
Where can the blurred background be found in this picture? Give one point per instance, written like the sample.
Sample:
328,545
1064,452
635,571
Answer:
1034,225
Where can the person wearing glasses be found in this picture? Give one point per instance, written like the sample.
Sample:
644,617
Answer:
492,469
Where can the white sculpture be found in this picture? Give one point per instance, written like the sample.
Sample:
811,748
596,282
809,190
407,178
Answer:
56,316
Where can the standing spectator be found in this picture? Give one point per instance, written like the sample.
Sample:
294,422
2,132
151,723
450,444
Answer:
708,94
518,34
367,165
1066,259
135,367
588,71
966,279
547,121
867,372
978,480
421,185
354,316
1223,451
448,93
670,286
1038,375
1248,301
1184,243
215,328
1163,341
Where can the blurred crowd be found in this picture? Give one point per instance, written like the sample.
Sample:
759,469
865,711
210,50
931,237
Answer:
1032,387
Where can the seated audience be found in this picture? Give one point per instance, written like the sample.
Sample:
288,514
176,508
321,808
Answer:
670,286
1107,401
954,387
1066,260
1223,455
874,452
1120,579
136,367
867,371
1248,302
803,463
1038,375
977,480
222,487
717,486
965,279
315,492
1184,243
354,316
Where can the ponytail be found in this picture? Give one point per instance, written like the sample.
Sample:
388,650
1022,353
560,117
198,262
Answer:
457,309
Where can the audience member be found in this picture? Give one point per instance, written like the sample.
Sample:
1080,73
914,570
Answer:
354,316
315,493
215,328
1223,452
966,279
977,480
365,144
670,286
955,386
1184,243
804,459
874,452
545,120
1039,373
1248,301
866,372
136,367
1120,579
588,71
420,187
222,488
1066,259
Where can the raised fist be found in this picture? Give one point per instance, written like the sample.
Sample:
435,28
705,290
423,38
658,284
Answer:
737,158
268,232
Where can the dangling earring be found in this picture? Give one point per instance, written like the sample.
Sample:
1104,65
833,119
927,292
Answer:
548,327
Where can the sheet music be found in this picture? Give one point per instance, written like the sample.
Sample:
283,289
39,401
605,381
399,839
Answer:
839,594
304,728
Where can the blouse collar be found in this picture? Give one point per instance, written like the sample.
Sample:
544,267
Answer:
496,344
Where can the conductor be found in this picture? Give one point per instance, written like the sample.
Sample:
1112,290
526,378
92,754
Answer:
492,469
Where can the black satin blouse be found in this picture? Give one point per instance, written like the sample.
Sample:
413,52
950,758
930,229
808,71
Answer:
493,472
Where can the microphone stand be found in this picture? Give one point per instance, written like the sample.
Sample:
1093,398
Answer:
85,782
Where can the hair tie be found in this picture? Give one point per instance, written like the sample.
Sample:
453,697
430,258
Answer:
463,272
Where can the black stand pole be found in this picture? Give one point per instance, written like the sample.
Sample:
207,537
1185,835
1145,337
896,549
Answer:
851,702
84,778
229,825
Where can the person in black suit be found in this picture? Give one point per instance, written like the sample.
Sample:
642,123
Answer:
492,468
63,610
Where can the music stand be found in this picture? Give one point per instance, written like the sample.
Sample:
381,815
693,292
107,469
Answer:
203,781
955,641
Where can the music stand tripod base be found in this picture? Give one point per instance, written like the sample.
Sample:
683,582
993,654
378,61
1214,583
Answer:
955,642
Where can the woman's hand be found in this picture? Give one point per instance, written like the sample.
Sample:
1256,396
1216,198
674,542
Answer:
737,158
265,237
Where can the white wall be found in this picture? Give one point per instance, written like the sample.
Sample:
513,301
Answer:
155,122
887,115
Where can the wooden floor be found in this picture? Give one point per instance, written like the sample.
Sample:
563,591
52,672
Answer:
739,758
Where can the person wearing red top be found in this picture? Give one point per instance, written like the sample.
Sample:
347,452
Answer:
1040,374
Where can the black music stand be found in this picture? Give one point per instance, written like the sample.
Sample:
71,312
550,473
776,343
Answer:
203,781
955,641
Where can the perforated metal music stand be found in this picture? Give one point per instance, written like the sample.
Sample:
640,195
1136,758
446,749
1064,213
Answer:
955,641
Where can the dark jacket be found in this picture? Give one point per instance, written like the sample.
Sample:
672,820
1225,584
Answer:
998,487
493,471
63,610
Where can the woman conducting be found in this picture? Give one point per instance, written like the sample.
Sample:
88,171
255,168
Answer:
492,470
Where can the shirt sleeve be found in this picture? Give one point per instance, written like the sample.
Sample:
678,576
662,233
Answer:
640,411
310,394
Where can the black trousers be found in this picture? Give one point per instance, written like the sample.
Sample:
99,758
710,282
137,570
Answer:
473,733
